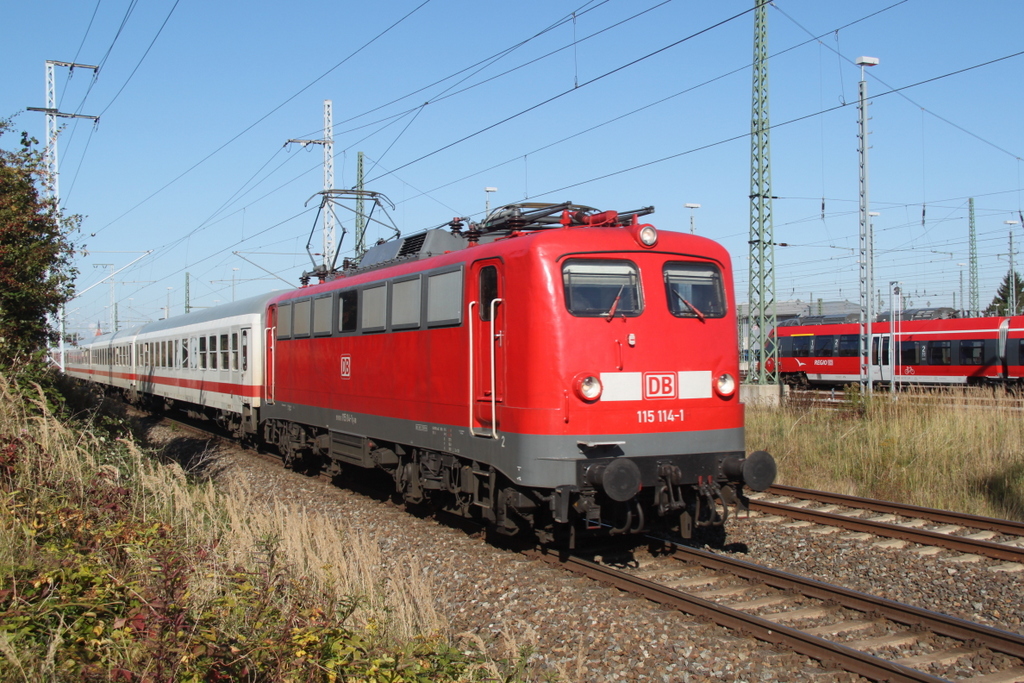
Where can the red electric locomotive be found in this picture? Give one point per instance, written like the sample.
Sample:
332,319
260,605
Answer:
941,351
552,369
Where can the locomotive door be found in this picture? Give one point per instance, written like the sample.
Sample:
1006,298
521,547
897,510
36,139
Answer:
486,324
270,346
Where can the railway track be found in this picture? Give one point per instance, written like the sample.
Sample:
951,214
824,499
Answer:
870,636
983,536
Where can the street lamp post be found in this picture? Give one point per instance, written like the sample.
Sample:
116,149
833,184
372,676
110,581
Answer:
867,274
691,207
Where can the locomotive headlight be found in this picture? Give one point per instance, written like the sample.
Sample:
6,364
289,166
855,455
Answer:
725,385
648,236
588,387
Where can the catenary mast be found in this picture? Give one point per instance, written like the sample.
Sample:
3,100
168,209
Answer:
761,292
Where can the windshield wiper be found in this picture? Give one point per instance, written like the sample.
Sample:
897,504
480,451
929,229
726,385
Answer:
700,316
615,304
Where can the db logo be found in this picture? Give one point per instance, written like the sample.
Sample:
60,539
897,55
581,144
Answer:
659,385
346,367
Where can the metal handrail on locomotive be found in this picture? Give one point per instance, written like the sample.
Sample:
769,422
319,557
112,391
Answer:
553,370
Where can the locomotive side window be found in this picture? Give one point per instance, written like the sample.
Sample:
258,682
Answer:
300,320
405,304
599,288
444,298
823,346
488,290
322,315
802,346
348,311
849,346
694,290
284,320
375,308
972,352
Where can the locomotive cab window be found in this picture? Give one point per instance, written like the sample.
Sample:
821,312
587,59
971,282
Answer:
488,290
694,290
600,289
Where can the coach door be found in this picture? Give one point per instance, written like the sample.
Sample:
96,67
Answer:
486,326
270,336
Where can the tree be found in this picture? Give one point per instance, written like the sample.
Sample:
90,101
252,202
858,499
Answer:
36,250
1001,303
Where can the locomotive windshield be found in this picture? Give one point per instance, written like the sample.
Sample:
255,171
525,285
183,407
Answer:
694,290
599,288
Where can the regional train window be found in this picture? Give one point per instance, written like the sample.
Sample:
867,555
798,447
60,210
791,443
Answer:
405,304
348,311
908,353
284,320
600,288
972,352
444,298
375,308
802,346
939,352
823,346
300,321
694,290
849,346
322,315
224,352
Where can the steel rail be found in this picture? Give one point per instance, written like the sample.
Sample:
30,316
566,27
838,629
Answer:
995,551
1002,526
847,658
942,624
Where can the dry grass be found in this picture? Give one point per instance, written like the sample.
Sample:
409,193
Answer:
950,450
228,537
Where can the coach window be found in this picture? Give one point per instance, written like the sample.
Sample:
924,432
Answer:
300,319
375,308
348,311
405,304
694,290
245,350
322,315
823,346
598,288
972,352
444,298
213,352
224,352
802,346
184,353
234,350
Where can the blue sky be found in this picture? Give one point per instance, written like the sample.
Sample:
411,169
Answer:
197,101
